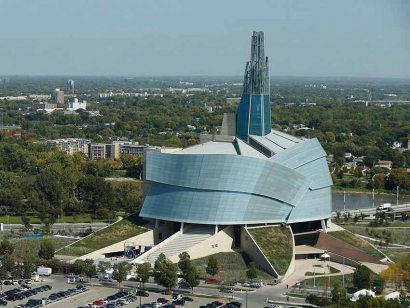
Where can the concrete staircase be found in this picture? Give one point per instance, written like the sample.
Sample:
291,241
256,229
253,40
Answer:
193,236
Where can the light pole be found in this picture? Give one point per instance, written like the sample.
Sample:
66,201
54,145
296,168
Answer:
314,276
140,290
344,201
397,198
246,298
329,272
373,189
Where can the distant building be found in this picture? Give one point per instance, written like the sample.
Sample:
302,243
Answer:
58,96
384,164
70,145
75,105
47,107
97,151
70,86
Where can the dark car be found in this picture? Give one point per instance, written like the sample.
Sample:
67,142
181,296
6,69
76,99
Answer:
180,302
188,299
3,302
236,304
7,282
142,293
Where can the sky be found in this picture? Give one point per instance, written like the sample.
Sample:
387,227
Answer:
348,38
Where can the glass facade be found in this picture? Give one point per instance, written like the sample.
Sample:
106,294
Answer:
287,181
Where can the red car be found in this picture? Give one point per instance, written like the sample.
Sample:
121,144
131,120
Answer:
11,298
162,300
99,303
212,281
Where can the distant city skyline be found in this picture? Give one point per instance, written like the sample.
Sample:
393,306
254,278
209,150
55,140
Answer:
315,38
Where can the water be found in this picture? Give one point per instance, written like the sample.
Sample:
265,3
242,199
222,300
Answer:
362,200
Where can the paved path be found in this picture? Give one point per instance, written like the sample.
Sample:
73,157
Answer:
303,266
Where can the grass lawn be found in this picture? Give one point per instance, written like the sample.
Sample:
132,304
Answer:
353,240
276,243
122,230
233,267
398,235
32,245
332,271
321,282
396,254
34,219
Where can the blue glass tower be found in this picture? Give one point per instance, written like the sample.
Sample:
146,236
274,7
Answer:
253,114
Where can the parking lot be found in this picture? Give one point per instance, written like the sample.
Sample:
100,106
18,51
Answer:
98,292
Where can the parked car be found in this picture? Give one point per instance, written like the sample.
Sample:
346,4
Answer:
3,302
162,300
227,290
188,299
142,293
212,281
167,292
180,302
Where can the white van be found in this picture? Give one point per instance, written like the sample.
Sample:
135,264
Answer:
385,207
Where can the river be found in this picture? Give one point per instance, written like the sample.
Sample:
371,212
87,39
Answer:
362,200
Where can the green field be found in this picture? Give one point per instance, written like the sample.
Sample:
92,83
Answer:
357,242
128,227
232,267
321,282
396,254
32,245
277,245
398,235
34,219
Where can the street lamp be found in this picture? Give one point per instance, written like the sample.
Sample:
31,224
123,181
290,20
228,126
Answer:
140,289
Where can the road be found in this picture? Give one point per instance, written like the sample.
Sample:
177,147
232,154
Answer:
395,209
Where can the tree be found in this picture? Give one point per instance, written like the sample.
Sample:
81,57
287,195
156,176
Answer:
165,272
212,268
192,276
26,221
144,272
46,249
102,267
121,270
95,193
252,271
339,296
6,247
184,261
28,266
8,263
128,196
361,277
89,268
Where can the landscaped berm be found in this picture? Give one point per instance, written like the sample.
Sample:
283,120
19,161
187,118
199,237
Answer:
232,267
277,245
126,228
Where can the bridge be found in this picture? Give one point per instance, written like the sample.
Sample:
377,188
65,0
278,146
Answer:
372,210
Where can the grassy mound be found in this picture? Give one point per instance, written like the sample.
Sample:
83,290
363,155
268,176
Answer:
233,267
277,245
32,245
128,227
357,242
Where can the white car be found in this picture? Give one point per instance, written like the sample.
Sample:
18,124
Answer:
14,282
123,301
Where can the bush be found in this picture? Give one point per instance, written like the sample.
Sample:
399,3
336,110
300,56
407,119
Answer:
102,213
